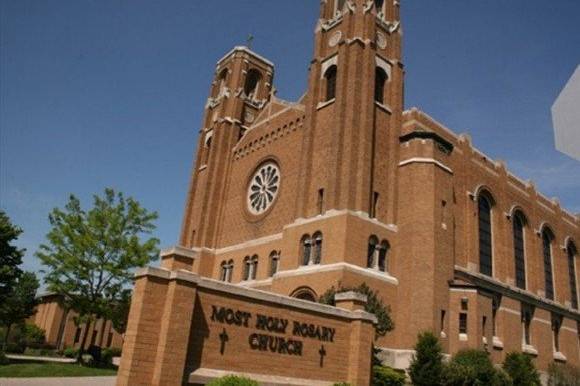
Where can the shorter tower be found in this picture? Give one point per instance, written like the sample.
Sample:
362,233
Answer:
242,86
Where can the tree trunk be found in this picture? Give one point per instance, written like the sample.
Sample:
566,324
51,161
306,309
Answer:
83,342
5,343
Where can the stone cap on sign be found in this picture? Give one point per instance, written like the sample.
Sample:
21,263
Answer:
178,250
178,257
254,294
351,300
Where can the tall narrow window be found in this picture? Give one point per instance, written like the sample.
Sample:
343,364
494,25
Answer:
340,5
462,323
320,203
224,271
485,247
547,237
317,238
483,326
442,322
252,80
230,271
274,262
305,244
380,81
372,251
519,253
572,252
222,82
494,307
379,4
206,151
556,324
383,256
77,335
247,268
253,267
330,76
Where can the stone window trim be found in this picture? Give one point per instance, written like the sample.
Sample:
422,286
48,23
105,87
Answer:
263,188
311,248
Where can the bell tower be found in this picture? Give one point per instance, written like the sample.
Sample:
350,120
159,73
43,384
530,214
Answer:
242,86
353,110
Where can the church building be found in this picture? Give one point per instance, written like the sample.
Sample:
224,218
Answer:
346,186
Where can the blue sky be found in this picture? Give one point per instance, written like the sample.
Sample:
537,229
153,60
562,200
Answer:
110,93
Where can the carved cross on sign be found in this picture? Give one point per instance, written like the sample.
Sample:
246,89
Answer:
322,353
224,338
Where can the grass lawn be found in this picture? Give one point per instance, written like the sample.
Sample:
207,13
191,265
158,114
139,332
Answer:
46,369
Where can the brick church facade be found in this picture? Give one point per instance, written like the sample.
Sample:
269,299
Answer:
346,186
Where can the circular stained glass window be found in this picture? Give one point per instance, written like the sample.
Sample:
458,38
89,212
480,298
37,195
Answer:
263,188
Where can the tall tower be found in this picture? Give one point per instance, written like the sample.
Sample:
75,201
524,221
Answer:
354,109
241,88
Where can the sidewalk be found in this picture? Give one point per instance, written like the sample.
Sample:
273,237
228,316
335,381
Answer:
66,381
40,359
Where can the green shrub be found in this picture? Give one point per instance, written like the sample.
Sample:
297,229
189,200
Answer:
232,380
427,364
15,347
107,355
386,376
522,371
560,374
3,359
70,352
33,334
473,368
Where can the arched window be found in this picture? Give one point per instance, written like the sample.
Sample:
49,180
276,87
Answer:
222,79
305,245
339,5
572,252
229,271
371,251
485,243
547,237
304,293
246,268
518,224
252,80
379,4
224,271
330,77
380,81
317,240
383,250
274,262
206,150
253,267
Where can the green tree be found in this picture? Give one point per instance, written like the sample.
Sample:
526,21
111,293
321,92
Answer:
427,364
21,303
374,305
91,255
120,311
473,368
10,256
521,369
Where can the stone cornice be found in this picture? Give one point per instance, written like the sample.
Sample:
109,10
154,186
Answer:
491,284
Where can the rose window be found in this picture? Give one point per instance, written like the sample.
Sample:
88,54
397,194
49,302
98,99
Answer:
263,188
